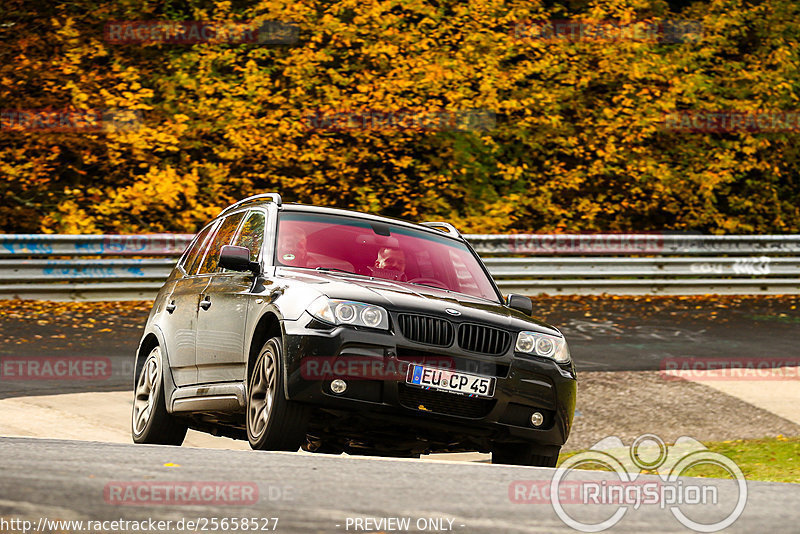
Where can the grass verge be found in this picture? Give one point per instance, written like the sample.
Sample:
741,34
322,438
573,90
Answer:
769,459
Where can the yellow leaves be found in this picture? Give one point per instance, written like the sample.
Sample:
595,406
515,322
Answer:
578,143
70,218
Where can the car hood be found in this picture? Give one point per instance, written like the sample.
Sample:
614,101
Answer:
406,297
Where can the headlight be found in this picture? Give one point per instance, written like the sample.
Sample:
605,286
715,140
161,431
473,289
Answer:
543,345
348,312
372,316
345,313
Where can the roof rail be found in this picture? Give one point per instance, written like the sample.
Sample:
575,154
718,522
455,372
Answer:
451,230
274,197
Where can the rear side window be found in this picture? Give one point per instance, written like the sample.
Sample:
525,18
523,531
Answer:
198,247
252,234
223,237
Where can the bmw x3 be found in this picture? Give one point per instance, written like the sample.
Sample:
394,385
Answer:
296,326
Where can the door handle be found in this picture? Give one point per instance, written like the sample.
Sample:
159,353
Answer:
205,303
170,307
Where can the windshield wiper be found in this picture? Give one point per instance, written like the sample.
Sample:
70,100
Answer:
440,288
329,269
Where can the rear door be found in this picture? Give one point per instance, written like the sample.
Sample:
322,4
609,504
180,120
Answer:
223,308
180,318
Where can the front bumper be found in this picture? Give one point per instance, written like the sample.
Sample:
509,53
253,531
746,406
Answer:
523,384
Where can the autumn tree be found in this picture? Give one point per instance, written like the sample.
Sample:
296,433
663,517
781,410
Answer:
571,137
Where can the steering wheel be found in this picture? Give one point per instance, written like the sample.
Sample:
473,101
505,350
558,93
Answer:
429,281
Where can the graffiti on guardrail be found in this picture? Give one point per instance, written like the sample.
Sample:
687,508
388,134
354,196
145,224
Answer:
731,244
553,244
755,266
133,244
26,244
155,244
109,258
571,244
93,272
707,268
625,244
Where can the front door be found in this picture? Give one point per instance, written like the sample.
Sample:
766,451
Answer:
180,326
222,312
221,328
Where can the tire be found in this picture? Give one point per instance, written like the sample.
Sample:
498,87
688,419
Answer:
150,421
522,454
273,423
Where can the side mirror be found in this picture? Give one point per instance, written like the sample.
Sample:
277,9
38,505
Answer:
238,259
520,303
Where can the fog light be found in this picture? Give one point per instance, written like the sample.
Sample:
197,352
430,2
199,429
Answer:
537,419
338,386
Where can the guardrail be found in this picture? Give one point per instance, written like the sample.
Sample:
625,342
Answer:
124,267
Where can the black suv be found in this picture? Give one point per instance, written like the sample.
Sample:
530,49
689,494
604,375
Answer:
335,331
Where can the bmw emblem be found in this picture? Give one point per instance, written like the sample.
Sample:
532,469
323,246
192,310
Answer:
451,311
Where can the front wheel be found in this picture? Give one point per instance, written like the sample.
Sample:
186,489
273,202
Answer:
522,454
150,421
273,422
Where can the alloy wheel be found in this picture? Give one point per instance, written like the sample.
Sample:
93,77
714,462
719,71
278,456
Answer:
146,391
262,393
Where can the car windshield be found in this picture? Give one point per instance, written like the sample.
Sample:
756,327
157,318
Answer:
380,250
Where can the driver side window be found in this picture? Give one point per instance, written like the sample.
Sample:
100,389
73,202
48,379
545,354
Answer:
223,237
251,234
192,258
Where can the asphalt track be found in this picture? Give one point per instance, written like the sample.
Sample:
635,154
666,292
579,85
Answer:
52,479
42,479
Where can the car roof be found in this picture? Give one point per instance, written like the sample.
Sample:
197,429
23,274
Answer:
294,206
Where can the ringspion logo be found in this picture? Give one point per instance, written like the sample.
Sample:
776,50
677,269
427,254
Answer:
721,501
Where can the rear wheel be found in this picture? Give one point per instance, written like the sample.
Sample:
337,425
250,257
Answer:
150,421
273,423
522,454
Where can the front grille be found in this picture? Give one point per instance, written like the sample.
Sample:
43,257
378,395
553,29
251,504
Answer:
483,339
444,403
424,329
449,361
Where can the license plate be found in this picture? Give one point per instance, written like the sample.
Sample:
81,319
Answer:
452,381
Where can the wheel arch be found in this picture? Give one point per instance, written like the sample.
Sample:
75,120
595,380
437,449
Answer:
151,339
149,342
268,326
